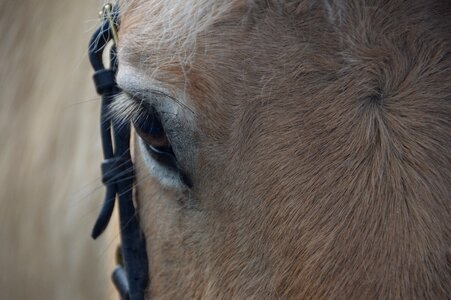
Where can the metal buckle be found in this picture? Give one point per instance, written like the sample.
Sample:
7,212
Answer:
107,14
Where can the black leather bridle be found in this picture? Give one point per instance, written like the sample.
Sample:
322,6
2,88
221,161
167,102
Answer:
131,275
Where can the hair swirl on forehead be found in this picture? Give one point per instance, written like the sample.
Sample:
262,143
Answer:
329,116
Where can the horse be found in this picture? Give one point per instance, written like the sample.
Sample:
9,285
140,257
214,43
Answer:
290,149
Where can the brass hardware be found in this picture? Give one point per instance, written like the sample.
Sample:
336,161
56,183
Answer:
107,14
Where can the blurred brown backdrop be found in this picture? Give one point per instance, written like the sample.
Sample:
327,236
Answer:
50,189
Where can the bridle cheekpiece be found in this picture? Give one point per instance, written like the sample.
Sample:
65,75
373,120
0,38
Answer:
131,274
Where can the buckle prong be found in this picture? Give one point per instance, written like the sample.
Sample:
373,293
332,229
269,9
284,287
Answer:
107,14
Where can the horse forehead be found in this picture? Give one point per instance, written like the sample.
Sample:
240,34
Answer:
176,42
168,29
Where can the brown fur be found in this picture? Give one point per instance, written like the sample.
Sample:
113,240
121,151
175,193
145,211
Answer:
50,189
323,148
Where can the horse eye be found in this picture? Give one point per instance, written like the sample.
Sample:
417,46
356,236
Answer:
152,132
157,144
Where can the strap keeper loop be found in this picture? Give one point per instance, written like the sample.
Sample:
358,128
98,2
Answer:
104,80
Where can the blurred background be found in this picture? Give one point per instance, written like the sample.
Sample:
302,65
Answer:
50,189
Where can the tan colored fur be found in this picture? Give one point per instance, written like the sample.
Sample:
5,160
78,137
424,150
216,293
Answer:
50,189
323,148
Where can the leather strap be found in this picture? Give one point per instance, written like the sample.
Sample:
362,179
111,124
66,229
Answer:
117,171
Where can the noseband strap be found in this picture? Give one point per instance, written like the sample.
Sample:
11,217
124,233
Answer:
117,167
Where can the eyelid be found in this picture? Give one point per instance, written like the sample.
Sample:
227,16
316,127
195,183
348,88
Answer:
149,95
145,94
139,99
141,85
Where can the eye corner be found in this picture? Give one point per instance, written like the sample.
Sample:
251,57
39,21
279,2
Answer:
164,168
